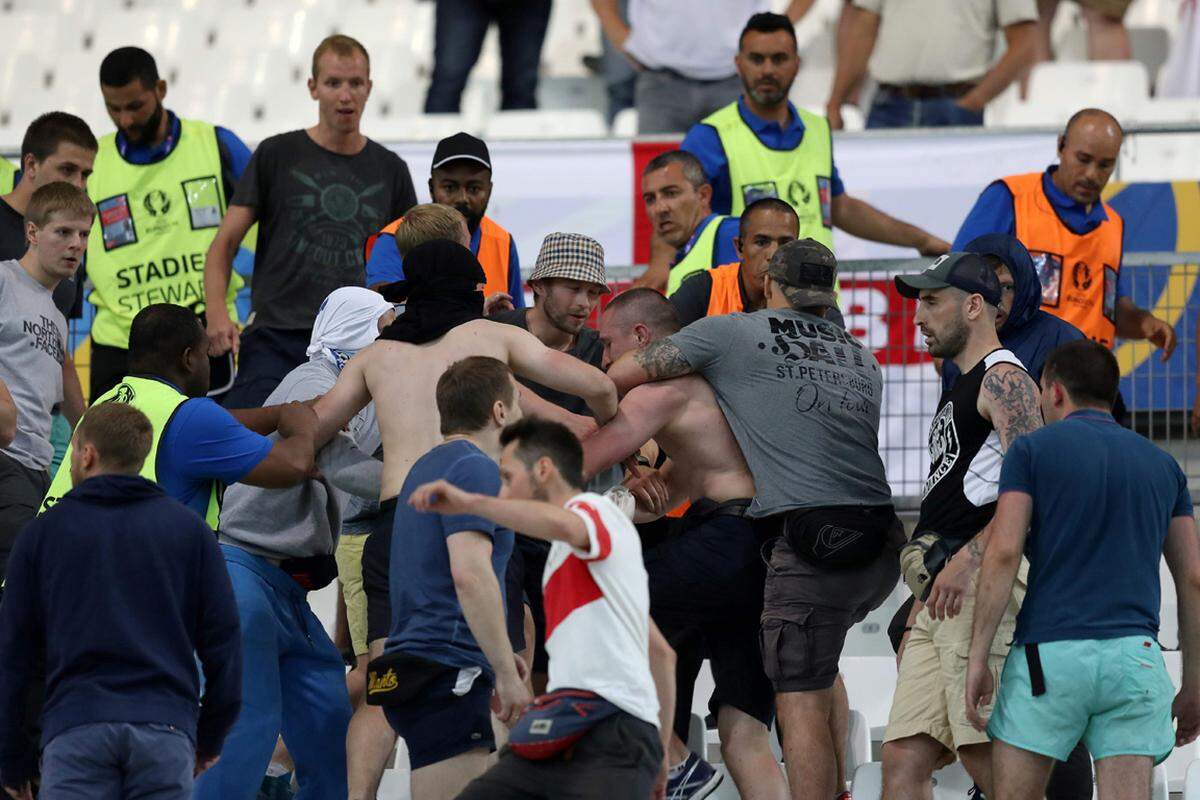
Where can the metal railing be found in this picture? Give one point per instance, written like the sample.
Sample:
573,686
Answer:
1158,395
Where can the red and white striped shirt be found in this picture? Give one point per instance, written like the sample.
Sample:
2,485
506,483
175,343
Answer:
598,611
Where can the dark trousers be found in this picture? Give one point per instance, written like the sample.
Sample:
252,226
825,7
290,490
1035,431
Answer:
459,30
109,366
892,109
619,758
21,492
265,357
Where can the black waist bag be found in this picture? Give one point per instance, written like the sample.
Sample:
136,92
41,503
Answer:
311,572
840,537
395,678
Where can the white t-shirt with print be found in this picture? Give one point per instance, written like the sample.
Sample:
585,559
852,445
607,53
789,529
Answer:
598,611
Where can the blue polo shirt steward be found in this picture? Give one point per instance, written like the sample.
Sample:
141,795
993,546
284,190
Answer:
704,143
993,213
1090,666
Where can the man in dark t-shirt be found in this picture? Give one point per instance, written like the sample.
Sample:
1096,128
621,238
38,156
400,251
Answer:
567,281
317,194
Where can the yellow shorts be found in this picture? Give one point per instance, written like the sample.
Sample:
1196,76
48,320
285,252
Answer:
349,562
931,688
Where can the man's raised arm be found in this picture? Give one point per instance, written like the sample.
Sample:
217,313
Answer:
347,397
532,360
655,361
641,414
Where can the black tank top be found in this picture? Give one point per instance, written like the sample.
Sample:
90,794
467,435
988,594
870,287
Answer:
964,459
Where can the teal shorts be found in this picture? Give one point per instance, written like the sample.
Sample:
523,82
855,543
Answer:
1113,694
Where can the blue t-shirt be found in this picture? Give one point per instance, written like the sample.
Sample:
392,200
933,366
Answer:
1103,498
427,619
704,143
993,213
204,443
387,266
724,250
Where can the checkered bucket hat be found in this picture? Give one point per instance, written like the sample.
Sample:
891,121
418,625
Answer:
572,256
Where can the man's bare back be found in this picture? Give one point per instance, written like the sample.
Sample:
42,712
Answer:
683,416
402,378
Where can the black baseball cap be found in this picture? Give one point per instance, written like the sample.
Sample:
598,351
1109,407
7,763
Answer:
809,266
461,147
967,271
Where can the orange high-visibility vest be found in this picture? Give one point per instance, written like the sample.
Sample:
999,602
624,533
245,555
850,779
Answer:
1078,273
495,247
726,294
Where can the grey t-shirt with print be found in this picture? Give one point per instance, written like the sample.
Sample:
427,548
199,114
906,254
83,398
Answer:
803,399
32,345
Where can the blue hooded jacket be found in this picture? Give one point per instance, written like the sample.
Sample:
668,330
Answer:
1029,332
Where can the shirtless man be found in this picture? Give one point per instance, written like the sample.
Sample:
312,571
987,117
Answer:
442,324
706,585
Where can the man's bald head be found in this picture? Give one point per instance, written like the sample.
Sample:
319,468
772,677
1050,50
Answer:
1087,151
633,318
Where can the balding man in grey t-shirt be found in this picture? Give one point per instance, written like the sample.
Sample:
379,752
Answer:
803,399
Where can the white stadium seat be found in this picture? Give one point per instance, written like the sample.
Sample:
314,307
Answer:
1191,781
547,124
1059,89
625,124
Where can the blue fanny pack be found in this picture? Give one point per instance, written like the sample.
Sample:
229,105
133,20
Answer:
554,722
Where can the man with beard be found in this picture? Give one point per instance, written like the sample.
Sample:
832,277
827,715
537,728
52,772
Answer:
317,194
567,281
803,400
991,404
162,185
763,146
461,177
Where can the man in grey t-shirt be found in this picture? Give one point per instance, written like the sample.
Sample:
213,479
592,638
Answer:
33,344
802,397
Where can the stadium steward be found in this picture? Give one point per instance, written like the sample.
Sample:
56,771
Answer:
461,177
162,184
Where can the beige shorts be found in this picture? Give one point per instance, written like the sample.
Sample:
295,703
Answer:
931,688
349,562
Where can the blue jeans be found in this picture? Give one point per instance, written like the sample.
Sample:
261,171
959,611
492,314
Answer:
115,760
293,681
892,109
459,29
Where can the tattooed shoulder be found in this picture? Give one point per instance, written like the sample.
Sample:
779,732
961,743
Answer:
1011,398
662,359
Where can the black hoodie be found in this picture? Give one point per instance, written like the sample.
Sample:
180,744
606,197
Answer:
121,585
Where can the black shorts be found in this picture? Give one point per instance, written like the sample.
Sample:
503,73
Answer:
619,758
376,561
706,592
438,724
807,611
